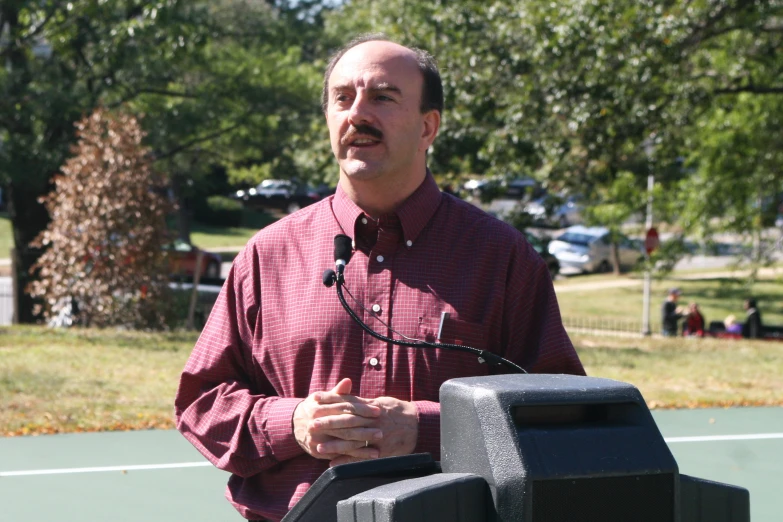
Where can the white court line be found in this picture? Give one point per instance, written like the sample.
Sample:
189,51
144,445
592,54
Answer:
713,438
142,467
710,438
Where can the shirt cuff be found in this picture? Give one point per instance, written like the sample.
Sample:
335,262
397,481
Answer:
280,429
428,413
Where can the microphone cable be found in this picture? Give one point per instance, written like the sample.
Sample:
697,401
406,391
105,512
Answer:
331,277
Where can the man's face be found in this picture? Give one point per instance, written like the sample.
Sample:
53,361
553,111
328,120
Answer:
373,112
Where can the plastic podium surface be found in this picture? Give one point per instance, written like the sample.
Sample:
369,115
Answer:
533,448
319,503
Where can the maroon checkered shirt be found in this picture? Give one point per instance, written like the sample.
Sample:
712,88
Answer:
277,334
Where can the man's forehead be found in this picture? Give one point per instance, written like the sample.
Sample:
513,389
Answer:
375,64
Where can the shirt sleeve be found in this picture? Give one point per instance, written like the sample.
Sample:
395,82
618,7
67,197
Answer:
429,428
534,335
235,421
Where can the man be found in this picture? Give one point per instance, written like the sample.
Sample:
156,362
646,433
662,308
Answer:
671,313
282,383
752,328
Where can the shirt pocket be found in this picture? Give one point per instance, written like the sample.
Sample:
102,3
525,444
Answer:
446,363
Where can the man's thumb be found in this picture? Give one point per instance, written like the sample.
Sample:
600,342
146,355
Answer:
343,387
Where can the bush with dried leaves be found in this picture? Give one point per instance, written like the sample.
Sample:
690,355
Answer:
104,263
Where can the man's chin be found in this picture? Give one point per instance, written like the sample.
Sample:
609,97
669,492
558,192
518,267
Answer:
361,171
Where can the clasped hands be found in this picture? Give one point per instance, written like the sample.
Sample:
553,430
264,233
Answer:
343,428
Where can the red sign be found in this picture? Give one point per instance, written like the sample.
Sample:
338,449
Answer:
651,241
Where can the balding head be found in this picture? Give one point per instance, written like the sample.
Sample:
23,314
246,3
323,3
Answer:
432,87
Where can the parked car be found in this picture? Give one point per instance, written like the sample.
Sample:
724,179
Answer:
523,188
181,257
540,245
498,187
486,187
182,260
559,211
588,249
281,194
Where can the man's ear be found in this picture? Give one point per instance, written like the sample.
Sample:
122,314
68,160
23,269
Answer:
430,128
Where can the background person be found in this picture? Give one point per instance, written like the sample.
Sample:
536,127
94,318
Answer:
282,383
732,326
752,327
693,325
671,313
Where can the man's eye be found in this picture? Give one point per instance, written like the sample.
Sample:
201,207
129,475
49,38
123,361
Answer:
341,97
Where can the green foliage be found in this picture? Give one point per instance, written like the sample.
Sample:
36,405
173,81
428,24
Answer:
575,91
568,92
221,211
736,154
63,59
663,260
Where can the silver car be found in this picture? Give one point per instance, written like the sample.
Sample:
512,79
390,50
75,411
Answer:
588,249
556,210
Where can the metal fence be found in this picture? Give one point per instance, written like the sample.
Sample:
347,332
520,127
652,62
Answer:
607,326
6,301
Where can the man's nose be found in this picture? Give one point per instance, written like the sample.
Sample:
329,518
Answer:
360,112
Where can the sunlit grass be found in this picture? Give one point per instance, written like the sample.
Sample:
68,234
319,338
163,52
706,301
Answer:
55,381
85,380
717,298
218,238
6,236
689,372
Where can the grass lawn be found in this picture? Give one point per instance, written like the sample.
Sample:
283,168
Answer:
54,381
216,238
718,296
689,372
6,237
205,236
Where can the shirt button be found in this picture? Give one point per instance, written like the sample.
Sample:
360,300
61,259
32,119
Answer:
364,221
409,243
374,361
380,259
376,308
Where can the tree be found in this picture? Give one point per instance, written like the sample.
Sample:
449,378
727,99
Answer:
62,60
737,180
105,239
224,84
571,90
616,204
244,105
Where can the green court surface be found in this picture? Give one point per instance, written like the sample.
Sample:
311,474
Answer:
156,476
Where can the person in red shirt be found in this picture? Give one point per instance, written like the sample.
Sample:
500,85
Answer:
282,383
694,322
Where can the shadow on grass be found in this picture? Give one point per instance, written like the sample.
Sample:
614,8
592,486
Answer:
731,290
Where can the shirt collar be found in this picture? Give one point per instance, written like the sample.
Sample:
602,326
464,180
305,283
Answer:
414,213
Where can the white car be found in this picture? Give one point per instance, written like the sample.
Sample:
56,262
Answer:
268,188
588,249
556,210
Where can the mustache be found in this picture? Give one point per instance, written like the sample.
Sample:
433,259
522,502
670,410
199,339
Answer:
366,130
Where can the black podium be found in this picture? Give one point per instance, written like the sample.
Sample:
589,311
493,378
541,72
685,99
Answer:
533,448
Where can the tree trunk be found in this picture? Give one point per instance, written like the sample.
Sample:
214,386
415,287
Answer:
28,219
616,259
183,212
